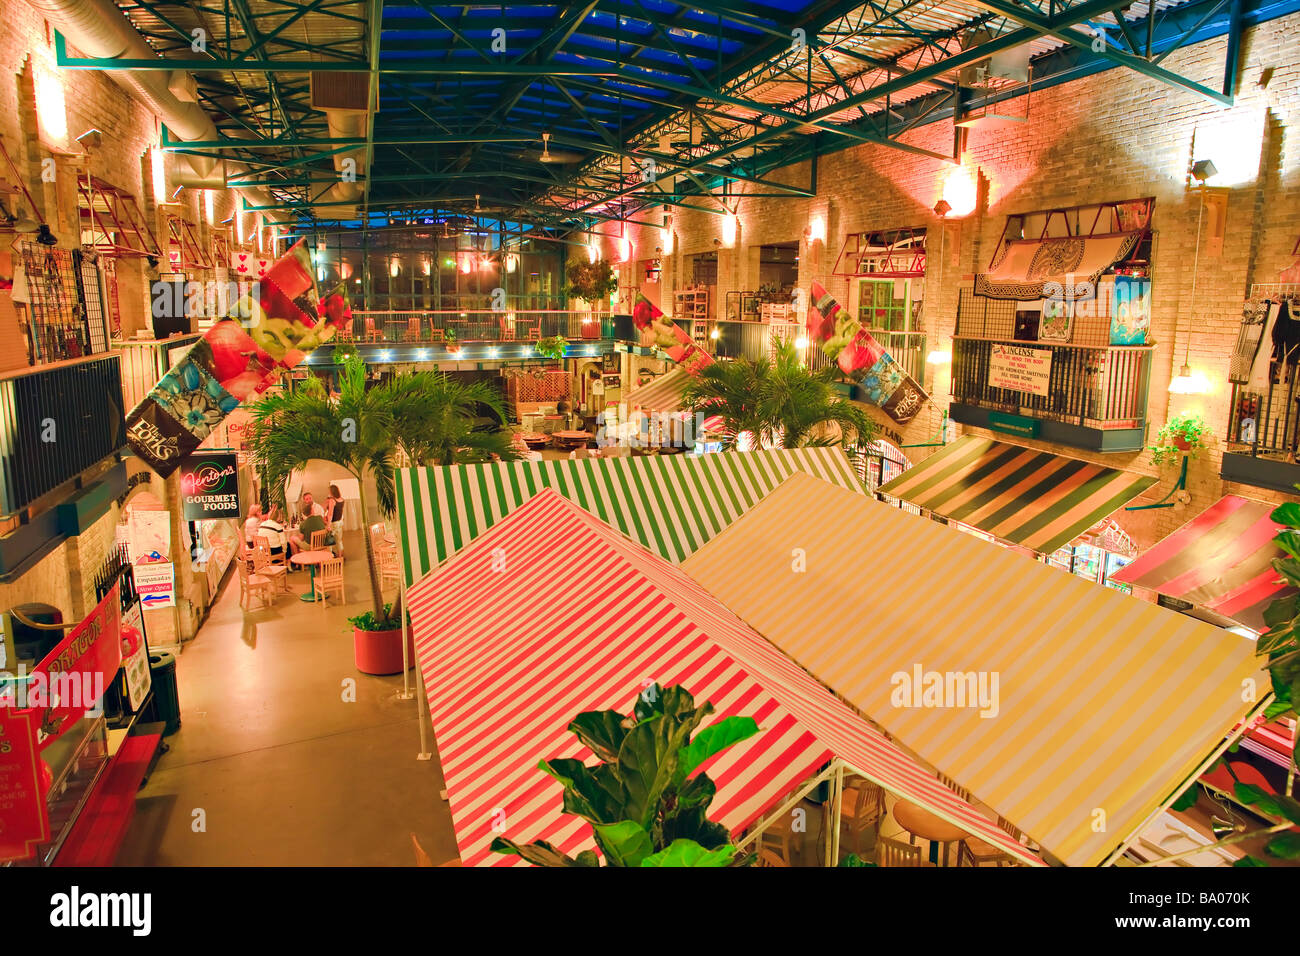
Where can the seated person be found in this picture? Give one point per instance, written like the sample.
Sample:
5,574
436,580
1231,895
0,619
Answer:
300,537
308,506
272,528
251,525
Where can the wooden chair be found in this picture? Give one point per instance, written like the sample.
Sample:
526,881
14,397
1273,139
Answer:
329,577
372,331
769,857
387,566
413,324
262,565
421,858
437,335
281,559
863,808
952,785
779,839
896,853
254,585
975,852
318,540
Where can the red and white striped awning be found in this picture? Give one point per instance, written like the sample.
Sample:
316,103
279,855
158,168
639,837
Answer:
551,613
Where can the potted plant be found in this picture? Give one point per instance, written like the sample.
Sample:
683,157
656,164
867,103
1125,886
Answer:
644,801
425,414
552,347
1185,433
590,281
377,642
453,345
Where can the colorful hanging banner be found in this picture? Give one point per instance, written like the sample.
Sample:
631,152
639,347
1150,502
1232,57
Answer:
659,331
269,331
881,379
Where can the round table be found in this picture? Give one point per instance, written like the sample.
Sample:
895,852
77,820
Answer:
534,438
572,439
927,826
310,559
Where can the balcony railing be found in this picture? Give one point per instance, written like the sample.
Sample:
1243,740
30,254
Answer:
433,327
1097,394
146,361
55,422
1264,435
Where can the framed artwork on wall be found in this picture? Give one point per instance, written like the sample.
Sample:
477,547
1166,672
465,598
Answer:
1057,319
1027,322
1130,312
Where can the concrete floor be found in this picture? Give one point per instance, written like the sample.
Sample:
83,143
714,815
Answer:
284,770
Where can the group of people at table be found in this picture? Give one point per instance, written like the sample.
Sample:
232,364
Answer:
310,517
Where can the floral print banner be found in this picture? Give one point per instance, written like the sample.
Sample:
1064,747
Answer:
860,357
659,331
268,332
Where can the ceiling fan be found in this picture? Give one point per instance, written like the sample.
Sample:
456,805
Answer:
559,156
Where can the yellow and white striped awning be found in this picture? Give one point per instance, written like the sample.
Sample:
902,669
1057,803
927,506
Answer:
1105,705
1028,497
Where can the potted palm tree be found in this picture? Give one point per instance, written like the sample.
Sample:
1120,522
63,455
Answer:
778,401
361,430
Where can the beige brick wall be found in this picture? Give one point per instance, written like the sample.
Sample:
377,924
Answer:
1113,136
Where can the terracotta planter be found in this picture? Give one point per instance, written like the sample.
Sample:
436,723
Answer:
1181,443
380,652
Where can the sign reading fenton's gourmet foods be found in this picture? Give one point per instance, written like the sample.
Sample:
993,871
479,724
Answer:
210,486
1020,369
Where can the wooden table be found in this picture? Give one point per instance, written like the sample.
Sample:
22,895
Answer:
534,438
310,559
927,826
572,439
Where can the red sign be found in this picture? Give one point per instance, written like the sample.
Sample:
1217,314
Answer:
72,678
24,819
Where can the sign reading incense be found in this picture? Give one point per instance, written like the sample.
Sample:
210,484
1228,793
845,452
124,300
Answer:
1020,369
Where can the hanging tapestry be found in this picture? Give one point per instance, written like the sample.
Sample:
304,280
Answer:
1058,267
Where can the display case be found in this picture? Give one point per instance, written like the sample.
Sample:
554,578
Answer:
76,760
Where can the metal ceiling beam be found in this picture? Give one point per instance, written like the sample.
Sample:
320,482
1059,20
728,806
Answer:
1109,51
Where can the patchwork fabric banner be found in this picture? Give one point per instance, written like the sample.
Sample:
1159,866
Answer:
659,331
242,355
1023,269
862,358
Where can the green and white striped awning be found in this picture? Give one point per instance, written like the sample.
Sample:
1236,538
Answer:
672,504
1022,495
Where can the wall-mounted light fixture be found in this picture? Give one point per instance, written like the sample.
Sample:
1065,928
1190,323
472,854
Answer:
961,191
816,229
730,223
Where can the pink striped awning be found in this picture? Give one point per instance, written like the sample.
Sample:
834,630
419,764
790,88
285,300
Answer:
1221,560
551,613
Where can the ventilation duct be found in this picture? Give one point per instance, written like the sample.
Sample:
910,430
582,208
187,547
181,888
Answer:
99,29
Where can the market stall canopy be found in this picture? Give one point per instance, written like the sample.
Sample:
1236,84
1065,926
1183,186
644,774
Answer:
663,393
1222,560
1031,498
509,659
1100,707
1022,269
671,504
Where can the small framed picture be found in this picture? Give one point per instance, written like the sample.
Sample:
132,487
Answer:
1058,317
1027,322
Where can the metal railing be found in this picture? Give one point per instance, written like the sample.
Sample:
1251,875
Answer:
1265,423
55,422
1095,387
485,325
145,362
906,348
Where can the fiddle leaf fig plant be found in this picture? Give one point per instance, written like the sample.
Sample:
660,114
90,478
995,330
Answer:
644,806
1185,432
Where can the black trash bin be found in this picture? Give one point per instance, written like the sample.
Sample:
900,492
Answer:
166,706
